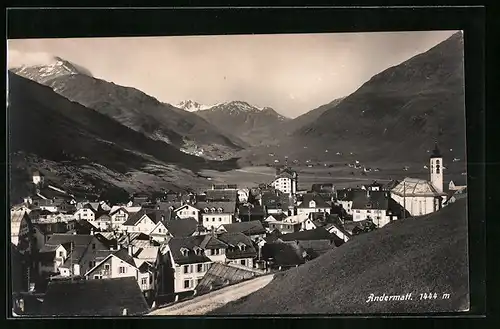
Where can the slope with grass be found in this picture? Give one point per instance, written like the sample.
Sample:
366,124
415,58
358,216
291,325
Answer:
46,126
136,110
392,118
415,255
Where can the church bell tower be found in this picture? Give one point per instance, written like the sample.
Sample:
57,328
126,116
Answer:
436,168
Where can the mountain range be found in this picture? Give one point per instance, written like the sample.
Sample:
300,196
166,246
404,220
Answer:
395,117
74,145
237,118
136,110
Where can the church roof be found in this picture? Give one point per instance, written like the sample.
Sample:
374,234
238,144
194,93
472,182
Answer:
416,187
436,153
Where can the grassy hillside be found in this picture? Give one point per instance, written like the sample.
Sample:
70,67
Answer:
393,117
69,138
147,115
415,255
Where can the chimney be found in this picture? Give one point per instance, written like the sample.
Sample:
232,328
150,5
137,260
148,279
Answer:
125,311
92,231
130,250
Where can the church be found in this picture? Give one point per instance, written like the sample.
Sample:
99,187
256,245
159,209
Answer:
419,196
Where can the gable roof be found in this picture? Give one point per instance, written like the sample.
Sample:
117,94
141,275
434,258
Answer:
233,240
104,297
371,200
221,195
155,215
128,210
181,227
227,207
283,253
248,228
124,255
320,202
188,243
319,233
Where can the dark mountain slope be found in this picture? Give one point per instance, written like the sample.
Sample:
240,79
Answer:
393,118
308,118
145,114
402,108
414,255
47,125
254,125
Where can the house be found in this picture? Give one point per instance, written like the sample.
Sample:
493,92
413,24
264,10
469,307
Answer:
288,225
312,202
182,227
375,186
315,248
457,185
239,248
186,211
122,264
38,178
145,221
109,297
182,265
214,214
344,198
243,195
43,231
454,195
317,234
338,230
82,252
282,255
120,214
286,181
323,188
19,228
250,212
376,206
253,229
276,202
225,187
86,212
51,257
221,195
102,221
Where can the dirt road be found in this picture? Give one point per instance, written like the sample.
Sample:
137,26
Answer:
206,303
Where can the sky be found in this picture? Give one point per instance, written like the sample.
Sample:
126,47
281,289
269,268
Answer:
292,73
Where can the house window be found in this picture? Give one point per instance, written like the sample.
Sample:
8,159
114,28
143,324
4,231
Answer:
122,270
186,269
199,268
216,251
96,277
198,281
357,211
93,246
213,219
61,254
243,262
144,281
368,211
220,219
186,284
106,267
194,213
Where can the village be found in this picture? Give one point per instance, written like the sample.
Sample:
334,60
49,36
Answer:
160,251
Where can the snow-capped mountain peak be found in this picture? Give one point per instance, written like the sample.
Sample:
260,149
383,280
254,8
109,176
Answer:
56,68
192,106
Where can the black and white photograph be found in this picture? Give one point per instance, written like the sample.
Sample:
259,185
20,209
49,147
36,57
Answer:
238,175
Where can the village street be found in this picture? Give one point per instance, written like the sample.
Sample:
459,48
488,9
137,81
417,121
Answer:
206,303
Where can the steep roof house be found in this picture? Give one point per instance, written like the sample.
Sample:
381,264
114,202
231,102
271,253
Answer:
144,221
107,297
312,202
253,229
123,263
214,214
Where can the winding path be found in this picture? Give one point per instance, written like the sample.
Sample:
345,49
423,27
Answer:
206,303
